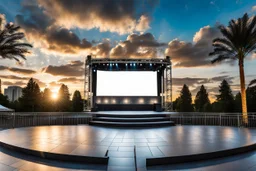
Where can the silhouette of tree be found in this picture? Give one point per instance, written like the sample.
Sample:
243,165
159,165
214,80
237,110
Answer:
185,102
251,96
31,97
238,107
4,100
225,99
175,104
47,101
77,102
239,41
63,102
11,46
202,101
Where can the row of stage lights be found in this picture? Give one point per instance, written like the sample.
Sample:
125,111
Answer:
127,65
124,101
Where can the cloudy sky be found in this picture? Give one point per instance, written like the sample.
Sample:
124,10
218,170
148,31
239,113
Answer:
63,32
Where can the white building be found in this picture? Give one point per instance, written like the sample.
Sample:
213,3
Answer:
13,92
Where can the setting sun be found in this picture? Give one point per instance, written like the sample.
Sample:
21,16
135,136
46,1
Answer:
54,96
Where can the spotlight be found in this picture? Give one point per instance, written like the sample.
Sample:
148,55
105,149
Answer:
130,64
106,101
150,64
107,64
110,64
103,64
134,64
140,64
94,70
125,64
116,64
114,101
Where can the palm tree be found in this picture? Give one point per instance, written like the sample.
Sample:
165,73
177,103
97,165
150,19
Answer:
11,46
239,40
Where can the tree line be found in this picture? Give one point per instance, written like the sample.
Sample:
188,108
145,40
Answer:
225,100
33,100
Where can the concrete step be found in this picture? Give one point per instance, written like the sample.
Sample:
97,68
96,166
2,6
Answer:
130,115
133,124
116,119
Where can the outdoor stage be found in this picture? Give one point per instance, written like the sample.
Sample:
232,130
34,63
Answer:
122,147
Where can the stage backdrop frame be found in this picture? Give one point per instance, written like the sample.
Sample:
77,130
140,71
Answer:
163,67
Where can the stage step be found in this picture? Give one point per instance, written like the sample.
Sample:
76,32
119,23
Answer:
131,120
130,115
119,119
133,124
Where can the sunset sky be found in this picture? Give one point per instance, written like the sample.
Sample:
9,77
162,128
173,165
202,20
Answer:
63,32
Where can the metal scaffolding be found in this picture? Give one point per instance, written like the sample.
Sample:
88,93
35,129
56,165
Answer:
168,88
87,85
165,65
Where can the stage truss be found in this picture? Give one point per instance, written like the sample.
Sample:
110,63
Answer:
166,80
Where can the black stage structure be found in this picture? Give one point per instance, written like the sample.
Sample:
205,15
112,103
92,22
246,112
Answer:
161,102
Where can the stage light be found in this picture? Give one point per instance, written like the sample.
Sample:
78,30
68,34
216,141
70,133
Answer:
110,64
141,101
98,101
125,64
157,70
106,101
107,64
130,64
116,64
140,64
134,64
114,101
94,70
103,64
150,64
126,101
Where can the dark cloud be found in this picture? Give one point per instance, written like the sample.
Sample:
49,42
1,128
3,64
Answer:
144,45
16,83
73,80
74,68
13,77
115,15
18,70
187,54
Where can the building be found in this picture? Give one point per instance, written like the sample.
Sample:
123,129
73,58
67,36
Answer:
13,93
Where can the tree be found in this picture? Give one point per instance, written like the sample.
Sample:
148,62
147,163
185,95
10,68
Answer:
238,107
251,96
47,101
11,46
31,97
185,101
225,98
77,102
202,100
238,41
4,100
63,103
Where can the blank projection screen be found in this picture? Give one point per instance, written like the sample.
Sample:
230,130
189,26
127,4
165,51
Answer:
126,83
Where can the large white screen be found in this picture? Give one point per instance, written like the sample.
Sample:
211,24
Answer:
126,83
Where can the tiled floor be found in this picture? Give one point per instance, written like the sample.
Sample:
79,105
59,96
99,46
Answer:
95,141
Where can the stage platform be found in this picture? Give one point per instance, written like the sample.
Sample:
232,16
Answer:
117,147
131,112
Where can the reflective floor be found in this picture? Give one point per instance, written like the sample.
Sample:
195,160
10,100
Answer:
156,142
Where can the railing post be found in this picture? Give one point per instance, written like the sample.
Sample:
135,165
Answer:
220,119
238,121
62,118
204,119
13,121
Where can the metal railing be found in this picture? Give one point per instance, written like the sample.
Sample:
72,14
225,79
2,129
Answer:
25,119
14,120
218,119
